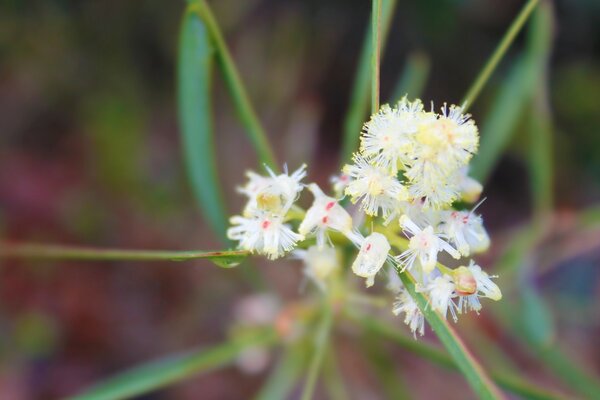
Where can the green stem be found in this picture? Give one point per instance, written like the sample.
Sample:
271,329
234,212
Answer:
375,54
467,364
500,51
513,383
321,339
236,88
359,98
58,252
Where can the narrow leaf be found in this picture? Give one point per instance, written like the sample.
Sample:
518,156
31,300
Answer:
540,160
225,259
414,77
321,339
164,372
237,91
513,97
498,53
514,383
536,318
196,55
284,376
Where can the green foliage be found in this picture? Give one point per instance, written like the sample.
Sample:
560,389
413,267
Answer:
158,374
513,97
196,56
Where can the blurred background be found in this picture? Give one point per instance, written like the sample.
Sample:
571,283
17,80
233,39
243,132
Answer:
90,154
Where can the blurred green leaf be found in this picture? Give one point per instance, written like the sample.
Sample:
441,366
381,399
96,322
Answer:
498,54
284,375
166,371
359,99
333,380
392,383
536,317
241,102
540,154
513,383
196,55
321,339
514,96
224,259
413,78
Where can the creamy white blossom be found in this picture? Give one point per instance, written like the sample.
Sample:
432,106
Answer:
387,138
339,183
325,213
374,187
264,234
441,293
465,230
413,317
484,287
424,246
470,189
372,255
274,194
319,263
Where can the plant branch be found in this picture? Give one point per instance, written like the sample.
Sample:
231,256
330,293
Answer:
58,252
375,54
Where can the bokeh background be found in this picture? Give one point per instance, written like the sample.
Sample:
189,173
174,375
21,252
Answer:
90,155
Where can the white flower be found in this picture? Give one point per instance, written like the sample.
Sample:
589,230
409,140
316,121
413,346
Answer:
325,213
319,263
413,316
449,141
469,188
376,188
339,183
387,137
484,287
424,245
441,292
266,234
274,194
394,284
371,257
465,230
435,184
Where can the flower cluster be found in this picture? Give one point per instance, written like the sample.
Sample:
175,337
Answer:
410,178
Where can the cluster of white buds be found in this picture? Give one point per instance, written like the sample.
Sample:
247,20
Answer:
409,177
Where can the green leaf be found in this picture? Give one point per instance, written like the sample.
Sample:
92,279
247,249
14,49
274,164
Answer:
321,339
477,378
536,319
414,77
224,259
514,383
196,56
169,370
359,99
498,54
241,102
284,376
513,97
540,159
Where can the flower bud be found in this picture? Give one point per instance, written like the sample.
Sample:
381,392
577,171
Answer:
464,281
